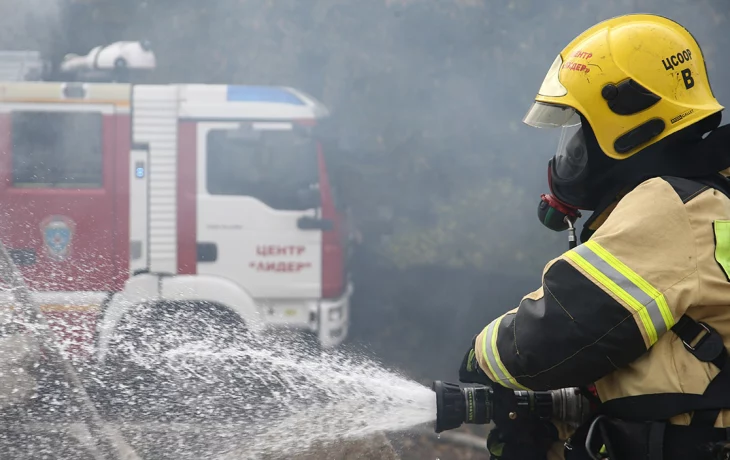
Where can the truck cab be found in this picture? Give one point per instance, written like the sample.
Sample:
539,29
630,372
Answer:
114,195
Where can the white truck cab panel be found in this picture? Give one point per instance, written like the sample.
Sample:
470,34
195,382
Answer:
248,207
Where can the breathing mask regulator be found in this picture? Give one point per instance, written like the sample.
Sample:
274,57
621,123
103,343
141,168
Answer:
558,216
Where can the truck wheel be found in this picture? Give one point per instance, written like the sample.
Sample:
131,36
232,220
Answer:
174,358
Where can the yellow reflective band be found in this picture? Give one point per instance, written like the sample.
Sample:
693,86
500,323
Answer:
620,293
469,360
627,285
491,353
638,281
484,335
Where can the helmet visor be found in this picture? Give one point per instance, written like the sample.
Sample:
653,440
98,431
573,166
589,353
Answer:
571,157
542,115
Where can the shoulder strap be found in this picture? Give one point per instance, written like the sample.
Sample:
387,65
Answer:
686,189
689,188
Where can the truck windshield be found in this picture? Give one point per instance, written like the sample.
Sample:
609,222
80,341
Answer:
275,167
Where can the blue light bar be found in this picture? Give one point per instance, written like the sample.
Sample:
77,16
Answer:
262,94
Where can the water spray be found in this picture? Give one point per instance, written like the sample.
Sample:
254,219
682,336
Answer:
109,442
476,405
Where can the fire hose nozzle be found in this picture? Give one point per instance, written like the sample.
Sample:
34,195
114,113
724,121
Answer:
476,405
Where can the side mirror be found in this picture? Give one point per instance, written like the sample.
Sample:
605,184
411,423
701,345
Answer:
312,223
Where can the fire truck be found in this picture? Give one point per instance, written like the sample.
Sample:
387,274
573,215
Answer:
116,194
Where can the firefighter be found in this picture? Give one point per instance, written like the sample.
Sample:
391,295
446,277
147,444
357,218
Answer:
640,310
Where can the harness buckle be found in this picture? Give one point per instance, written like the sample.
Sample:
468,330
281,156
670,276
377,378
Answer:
567,445
710,347
702,339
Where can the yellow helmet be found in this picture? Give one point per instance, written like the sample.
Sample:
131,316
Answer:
621,86
636,79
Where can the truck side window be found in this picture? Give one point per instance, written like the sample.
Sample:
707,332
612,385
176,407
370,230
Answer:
275,167
57,149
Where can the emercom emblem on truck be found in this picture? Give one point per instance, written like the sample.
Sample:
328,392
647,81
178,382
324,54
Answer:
58,232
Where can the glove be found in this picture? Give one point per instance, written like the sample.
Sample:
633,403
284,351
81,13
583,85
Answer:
470,372
522,438
502,446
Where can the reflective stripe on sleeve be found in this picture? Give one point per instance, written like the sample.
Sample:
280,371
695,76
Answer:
503,377
648,303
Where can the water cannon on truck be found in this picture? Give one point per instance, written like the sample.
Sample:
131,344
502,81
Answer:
113,62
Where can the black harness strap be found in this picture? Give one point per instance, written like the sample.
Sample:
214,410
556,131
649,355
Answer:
709,348
706,345
656,441
638,424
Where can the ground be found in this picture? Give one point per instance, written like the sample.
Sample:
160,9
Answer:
48,443
43,436
400,446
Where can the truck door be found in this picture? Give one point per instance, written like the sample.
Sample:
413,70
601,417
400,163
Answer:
258,208
58,206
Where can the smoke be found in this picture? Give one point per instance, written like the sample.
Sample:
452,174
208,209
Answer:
29,24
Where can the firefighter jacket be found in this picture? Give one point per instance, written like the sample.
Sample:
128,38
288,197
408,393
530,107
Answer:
604,310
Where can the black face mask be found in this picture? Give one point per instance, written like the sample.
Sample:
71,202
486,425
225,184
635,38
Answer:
578,172
581,176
